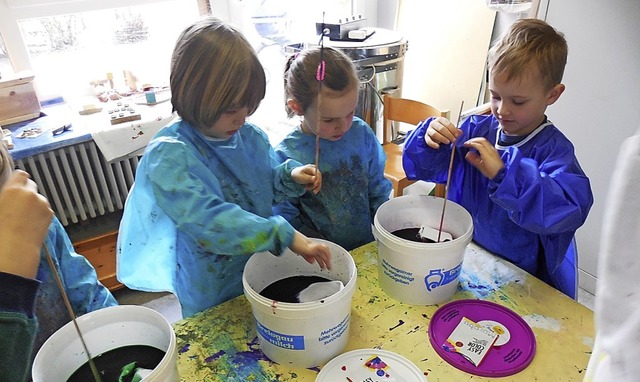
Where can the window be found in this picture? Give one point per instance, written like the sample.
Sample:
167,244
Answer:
5,64
270,26
73,55
74,47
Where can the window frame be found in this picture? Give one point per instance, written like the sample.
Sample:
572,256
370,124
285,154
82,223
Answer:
11,11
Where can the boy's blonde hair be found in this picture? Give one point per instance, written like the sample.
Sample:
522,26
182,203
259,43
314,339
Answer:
214,69
301,84
530,42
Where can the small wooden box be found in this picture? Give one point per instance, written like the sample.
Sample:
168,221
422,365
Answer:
101,253
18,99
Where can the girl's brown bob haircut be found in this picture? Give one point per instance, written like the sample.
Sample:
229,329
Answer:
214,69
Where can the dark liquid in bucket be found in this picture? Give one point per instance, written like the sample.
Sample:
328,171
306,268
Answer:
411,234
287,289
110,363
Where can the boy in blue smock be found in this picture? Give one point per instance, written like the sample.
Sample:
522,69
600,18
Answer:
514,171
350,156
201,203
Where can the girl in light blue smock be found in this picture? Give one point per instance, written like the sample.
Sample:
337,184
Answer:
201,203
350,156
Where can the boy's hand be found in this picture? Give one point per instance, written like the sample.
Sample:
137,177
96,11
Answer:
487,159
25,216
308,175
311,250
441,130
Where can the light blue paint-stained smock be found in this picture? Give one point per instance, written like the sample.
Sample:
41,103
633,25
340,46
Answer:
80,281
199,207
531,210
353,185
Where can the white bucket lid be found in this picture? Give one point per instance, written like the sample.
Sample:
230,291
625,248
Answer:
378,365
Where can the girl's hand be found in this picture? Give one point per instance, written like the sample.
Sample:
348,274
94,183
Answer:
441,130
309,176
311,250
25,216
487,159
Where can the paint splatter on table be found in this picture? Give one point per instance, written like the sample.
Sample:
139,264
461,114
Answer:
220,344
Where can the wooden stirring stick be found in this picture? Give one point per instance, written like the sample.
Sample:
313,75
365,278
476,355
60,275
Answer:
446,186
320,77
92,364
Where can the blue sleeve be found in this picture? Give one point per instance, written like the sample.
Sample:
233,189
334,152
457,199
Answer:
284,186
422,162
83,288
545,198
288,208
187,191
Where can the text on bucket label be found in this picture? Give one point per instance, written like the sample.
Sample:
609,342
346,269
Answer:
329,335
284,341
396,274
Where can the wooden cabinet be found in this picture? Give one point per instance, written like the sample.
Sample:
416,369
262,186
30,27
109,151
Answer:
18,99
101,253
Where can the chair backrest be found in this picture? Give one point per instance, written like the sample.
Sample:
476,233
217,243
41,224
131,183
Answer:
566,273
406,111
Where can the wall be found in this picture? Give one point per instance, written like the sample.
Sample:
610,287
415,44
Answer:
448,44
601,105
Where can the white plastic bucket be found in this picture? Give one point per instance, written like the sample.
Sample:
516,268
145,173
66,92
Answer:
103,330
415,272
300,334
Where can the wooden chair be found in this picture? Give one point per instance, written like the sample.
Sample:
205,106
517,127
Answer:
406,111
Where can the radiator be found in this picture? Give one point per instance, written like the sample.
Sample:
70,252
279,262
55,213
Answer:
79,183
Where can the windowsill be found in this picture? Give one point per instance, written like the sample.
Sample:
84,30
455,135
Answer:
84,128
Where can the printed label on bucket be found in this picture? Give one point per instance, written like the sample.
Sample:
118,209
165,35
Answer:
285,341
396,274
440,277
329,335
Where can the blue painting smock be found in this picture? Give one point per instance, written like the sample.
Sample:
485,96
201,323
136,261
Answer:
199,207
80,281
353,185
531,210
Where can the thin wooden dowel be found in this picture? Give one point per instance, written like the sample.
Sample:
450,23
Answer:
54,270
320,77
446,186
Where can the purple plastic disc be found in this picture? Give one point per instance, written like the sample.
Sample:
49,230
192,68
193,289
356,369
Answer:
501,361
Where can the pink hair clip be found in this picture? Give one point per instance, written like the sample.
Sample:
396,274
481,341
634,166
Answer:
320,71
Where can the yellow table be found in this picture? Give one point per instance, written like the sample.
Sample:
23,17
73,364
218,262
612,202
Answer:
220,344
